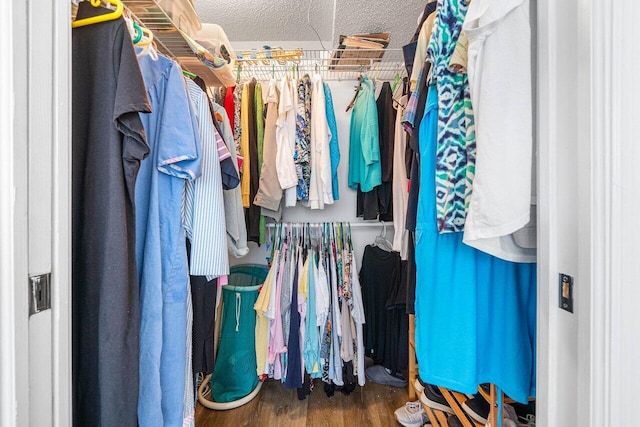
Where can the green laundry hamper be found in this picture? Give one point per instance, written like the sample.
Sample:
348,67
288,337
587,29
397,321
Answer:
234,375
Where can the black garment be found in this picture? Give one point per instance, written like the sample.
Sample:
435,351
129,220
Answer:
396,349
252,213
378,203
414,143
203,298
109,143
409,55
410,277
409,50
396,354
386,128
294,362
428,10
379,278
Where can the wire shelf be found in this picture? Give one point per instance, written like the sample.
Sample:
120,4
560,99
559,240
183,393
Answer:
382,64
170,41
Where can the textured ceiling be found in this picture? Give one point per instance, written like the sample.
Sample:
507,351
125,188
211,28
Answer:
398,17
286,20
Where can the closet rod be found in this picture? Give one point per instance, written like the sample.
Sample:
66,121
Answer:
352,224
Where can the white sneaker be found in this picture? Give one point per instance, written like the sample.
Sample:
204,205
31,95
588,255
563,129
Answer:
411,415
528,421
509,417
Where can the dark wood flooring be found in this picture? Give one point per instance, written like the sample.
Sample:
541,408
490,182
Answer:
371,405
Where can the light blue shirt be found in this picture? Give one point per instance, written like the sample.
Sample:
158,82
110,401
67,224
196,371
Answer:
311,349
160,242
204,215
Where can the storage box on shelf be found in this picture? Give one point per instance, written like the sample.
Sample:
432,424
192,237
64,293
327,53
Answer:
172,23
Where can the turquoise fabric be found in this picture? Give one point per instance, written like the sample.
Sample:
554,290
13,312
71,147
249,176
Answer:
364,143
475,313
334,145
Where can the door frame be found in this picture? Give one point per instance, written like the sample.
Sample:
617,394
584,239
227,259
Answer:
14,394
16,381
595,241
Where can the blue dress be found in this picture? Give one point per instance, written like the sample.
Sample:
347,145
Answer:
160,242
475,314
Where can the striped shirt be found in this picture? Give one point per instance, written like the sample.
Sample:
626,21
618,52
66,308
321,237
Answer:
203,207
189,411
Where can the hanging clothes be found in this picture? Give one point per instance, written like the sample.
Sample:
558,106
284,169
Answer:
233,210
423,39
500,207
285,138
451,156
228,171
255,181
494,309
203,206
321,187
245,135
411,60
302,155
294,362
230,107
250,131
334,145
364,146
313,305
237,124
379,275
189,400
160,250
377,203
269,193
108,144
400,184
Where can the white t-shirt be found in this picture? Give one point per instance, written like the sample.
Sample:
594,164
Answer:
321,189
500,81
400,187
286,140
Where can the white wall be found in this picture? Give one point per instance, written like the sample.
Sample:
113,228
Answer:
345,208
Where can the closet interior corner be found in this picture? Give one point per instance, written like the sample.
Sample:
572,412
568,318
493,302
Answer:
303,213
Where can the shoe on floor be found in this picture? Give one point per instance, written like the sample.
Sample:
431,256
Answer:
526,413
432,397
411,415
378,374
505,423
509,417
486,387
418,384
453,421
477,408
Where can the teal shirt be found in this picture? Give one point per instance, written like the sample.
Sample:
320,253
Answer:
334,146
364,143
311,349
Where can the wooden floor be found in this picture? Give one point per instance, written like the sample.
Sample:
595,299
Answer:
371,405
